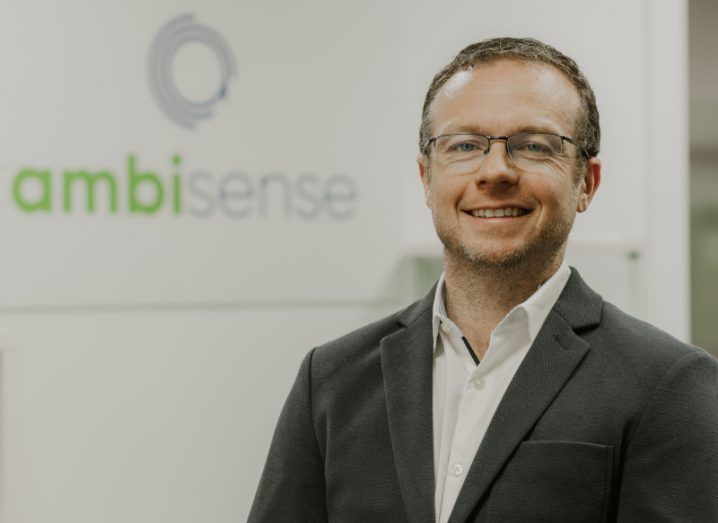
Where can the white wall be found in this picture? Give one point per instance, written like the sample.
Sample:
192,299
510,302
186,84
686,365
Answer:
145,358
158,416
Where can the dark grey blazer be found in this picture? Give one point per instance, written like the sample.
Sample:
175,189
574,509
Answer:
607,418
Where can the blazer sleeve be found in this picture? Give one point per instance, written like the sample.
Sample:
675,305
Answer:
671,464
292,487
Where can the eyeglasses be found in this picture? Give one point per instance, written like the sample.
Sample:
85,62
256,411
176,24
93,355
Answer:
526,150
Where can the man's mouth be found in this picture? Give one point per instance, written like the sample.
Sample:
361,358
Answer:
498,213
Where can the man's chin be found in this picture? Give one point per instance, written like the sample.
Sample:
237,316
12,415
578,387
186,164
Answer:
495,258
503,253
505,257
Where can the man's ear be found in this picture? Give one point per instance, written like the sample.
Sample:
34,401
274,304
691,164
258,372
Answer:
589,183
423,163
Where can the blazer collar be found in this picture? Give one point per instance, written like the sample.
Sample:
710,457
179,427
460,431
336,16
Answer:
550,362
579,305
407,367
407,364
409,315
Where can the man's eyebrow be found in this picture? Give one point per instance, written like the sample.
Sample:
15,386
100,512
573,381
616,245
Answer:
464,128
536,129
478,129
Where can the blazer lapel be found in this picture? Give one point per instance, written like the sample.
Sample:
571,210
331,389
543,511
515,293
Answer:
406,361
549,363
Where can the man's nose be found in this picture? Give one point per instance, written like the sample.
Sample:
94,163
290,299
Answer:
497,167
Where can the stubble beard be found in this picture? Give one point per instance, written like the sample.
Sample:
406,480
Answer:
537,252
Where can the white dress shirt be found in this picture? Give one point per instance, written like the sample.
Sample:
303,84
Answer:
466,393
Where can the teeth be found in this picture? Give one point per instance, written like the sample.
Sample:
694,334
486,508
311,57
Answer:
498,213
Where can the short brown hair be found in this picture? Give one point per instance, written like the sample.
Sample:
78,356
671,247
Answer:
587,128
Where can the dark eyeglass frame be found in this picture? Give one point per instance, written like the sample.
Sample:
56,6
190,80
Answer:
506,138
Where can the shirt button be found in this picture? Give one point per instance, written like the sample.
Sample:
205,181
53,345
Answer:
457,469
478,382
445,328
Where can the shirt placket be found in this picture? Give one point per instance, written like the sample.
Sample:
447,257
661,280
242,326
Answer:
467,420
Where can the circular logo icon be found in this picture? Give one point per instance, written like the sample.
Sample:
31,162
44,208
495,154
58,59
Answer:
171,38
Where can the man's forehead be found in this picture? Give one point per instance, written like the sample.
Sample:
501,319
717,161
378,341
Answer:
457,82
502,75
521,87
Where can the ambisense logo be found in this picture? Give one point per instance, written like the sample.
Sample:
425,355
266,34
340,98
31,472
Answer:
137,190
170,40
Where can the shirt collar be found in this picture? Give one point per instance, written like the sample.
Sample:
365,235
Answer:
439,309
537,306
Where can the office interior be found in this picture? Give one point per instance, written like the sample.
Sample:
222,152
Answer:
195,194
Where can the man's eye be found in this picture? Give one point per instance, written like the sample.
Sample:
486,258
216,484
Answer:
466,147
470,146
534,147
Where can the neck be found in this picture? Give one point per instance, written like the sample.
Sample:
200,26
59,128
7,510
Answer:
478,297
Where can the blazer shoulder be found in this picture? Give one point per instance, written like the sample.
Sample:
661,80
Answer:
629,337
360,349
354,346
368,337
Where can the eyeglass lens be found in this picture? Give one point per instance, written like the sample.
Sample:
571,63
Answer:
522,148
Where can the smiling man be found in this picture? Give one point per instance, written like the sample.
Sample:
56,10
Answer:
512,391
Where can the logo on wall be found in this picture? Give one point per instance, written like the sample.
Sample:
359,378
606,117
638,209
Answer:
172,37
179,187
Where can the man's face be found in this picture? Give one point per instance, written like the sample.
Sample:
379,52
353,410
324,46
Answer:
504,98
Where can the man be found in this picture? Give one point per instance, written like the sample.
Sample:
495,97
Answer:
512,391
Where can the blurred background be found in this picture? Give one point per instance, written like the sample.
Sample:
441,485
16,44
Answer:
194,194
703,117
